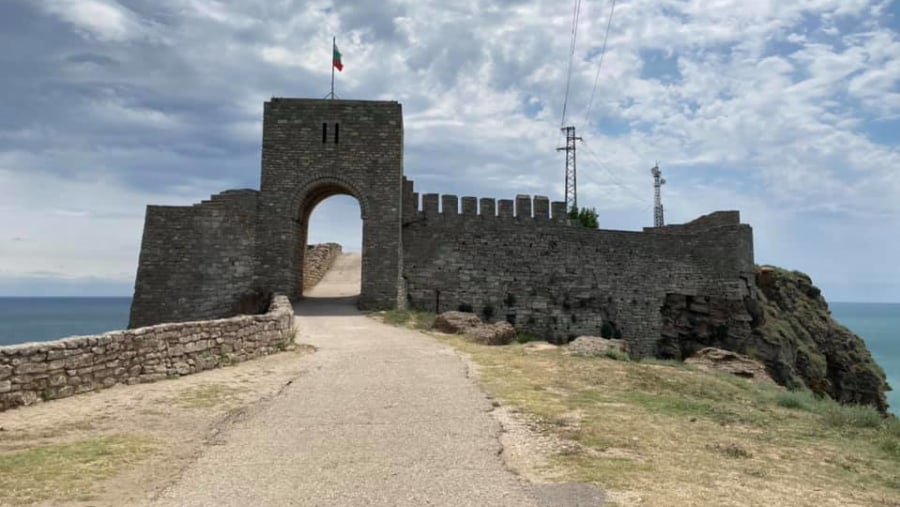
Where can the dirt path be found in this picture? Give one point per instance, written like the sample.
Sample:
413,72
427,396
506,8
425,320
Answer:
383,416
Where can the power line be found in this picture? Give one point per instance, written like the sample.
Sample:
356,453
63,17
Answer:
576,14
587,114
615,181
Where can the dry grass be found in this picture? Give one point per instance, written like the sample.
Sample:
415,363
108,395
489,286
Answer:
67,470
409,318
657,433
207,395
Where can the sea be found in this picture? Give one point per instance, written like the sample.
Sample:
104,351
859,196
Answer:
39,319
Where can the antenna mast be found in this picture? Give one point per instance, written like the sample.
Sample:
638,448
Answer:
571,173
658,182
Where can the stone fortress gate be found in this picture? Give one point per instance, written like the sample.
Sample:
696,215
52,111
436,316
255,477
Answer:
517,260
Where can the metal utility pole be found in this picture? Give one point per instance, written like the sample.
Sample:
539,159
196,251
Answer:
658,182
571,173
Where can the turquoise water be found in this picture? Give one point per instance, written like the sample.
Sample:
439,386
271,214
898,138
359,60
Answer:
39,319
879,325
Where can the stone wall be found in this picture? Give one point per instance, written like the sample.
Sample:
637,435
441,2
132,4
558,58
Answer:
318,260
518,260
50,370
197,262
512,260
315,149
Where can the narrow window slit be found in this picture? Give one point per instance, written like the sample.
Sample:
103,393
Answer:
337,132
324,133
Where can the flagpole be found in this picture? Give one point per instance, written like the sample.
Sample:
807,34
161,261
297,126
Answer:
333,45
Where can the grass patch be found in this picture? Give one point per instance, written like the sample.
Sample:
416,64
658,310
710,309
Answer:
416,319
206,396
850,416
801,400
617,355
66,471
527,337
673,435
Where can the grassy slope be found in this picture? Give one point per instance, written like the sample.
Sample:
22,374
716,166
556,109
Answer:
655,433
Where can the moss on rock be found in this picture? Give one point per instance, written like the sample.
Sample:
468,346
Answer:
814,350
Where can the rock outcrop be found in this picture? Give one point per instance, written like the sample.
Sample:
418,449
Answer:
468,324
726,361
785,324
498,333
595,346
455,322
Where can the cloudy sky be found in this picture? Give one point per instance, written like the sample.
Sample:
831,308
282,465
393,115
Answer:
786,110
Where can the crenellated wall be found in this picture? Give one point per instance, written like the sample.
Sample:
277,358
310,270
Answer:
32,372
557,280
515,259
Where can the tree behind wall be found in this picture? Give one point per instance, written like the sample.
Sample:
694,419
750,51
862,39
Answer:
586,217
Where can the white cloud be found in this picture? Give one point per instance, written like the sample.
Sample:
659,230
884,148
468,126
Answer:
772,107
103,19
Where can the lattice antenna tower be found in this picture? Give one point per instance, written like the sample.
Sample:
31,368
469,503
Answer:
658,182
571,169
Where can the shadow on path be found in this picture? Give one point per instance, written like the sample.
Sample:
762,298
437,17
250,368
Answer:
326,306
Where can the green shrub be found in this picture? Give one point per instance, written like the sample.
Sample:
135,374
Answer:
606,330
617,355
465,307
891,447
850,416
487,312
396,316
892,427
526,337
585,217
803,400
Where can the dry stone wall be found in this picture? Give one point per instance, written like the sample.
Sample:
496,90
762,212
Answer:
44,371
318,260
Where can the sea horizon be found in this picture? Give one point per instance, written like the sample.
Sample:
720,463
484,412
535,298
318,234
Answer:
28,319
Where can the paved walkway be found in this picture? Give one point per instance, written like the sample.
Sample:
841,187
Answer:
382,417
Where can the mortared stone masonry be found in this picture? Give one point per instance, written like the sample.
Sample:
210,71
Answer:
516,260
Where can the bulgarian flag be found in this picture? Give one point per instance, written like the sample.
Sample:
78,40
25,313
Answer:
336,58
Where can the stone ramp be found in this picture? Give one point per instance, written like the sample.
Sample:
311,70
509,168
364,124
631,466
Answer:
382,417
342,280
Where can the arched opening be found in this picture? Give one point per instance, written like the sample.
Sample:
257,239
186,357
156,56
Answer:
330,213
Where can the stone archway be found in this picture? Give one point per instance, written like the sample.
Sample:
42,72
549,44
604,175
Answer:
201,261
314,149
307,201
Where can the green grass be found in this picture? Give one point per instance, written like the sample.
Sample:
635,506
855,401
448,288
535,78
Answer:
802,400
527,337
66,471
617,355
660,430
412,318
850,416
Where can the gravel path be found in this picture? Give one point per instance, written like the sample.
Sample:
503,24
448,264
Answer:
382,416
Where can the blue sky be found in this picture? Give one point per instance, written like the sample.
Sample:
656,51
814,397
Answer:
787,111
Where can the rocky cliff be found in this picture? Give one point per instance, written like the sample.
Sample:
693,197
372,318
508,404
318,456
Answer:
785,323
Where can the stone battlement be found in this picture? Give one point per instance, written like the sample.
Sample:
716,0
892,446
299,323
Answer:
448,206
519,260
